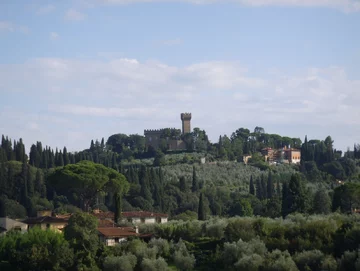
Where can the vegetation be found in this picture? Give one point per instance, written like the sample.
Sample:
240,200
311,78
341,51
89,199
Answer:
225,215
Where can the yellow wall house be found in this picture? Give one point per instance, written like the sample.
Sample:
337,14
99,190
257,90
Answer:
46,221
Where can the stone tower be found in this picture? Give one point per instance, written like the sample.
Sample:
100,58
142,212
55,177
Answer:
186,117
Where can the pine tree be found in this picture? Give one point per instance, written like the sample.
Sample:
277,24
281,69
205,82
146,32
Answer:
251,186
195,182
270,186
201,209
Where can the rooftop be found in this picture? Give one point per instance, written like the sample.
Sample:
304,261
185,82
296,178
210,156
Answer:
118,232
44,219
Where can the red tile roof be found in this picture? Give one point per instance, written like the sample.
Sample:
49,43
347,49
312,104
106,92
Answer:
118,232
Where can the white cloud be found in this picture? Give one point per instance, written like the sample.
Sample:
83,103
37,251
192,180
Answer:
74,15
54,36
98,98
45,9
11,27
345,5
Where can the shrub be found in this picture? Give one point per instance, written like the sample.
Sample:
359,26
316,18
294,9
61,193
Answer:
154,265
123,263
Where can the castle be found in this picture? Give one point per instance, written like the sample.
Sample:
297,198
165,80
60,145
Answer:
171,139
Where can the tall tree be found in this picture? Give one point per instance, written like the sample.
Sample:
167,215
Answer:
296,198
251,186
263,187
322,202
65,157
182,184
284,200
195,181
85,180
270,186
259,192
118,207
201,209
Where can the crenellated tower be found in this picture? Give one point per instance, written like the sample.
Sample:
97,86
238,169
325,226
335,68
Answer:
186,118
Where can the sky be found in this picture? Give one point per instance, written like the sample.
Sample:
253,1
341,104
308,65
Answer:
76,70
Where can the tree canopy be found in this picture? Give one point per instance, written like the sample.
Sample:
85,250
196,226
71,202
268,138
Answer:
84,180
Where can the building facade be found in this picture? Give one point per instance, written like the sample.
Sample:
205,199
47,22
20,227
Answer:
156,138
8,224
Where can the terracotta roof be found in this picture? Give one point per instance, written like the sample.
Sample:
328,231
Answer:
118,232
143,214
44,219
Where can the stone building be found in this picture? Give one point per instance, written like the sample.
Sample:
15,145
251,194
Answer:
155,138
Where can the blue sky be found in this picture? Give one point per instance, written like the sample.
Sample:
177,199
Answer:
76,70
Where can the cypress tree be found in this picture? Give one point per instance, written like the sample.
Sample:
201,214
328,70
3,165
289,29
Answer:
263,187
182,184
195,182
61,159
92,145
278,189
30,183
270,186
3,177
23,184
251,186
66,157
201,209
118,207
259,192
284,200
102,145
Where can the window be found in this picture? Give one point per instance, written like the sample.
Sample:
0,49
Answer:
116,240
142,220
17,228
48,226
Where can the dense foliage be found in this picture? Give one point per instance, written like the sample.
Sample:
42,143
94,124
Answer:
227,215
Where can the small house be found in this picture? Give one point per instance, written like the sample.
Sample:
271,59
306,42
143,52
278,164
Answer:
7,224
112,236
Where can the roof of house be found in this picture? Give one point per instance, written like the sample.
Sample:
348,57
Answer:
44,219
118,232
